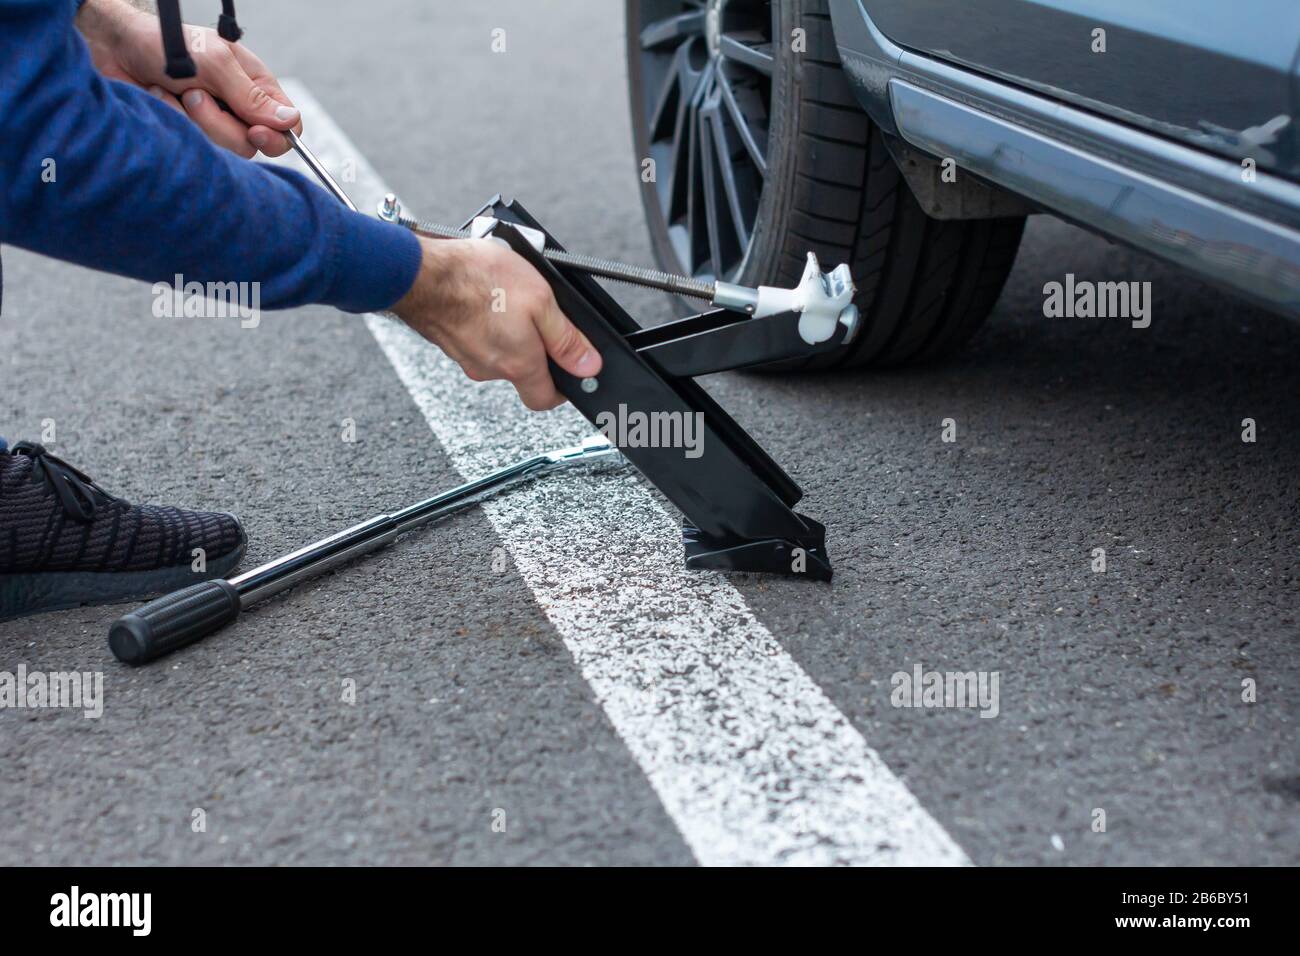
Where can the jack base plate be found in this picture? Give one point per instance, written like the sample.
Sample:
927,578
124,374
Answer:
804,557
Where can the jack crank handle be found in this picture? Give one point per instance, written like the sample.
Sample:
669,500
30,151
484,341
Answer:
173,621
192,613
317,167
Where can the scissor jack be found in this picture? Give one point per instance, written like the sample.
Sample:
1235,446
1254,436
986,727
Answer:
736,501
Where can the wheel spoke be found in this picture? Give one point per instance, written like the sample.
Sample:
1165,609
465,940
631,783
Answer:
670,148
697,192
754,57
680,158
708,167
707,73
749,137
671,85
674,28
727,173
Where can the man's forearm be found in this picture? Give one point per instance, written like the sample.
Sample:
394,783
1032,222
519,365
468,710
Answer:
91,14
148,6
103,23
102,174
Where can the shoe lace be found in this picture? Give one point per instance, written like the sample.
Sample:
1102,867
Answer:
77,492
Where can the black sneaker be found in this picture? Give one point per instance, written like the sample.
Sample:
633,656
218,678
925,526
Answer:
65,542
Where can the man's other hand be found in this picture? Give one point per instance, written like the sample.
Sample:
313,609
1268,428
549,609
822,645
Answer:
491,312
125,44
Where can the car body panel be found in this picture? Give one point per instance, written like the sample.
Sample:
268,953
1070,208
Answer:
1200,71
1201,234
1189,205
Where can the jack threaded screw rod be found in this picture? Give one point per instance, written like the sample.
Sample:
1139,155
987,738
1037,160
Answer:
722,294
605,268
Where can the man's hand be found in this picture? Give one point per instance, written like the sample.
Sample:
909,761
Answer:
125,45
491,312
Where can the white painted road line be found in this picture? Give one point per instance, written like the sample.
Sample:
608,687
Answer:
751,760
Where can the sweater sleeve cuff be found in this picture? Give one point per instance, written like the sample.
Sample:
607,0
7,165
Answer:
375,263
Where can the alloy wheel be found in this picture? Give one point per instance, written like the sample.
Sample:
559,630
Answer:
706,69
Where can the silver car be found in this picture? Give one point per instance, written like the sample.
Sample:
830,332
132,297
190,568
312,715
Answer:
911,138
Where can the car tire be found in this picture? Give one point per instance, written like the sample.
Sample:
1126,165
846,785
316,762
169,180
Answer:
826,183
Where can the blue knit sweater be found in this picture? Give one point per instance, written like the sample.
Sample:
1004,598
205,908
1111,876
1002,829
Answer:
100,173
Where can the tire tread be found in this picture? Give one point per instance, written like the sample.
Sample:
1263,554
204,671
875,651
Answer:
924,285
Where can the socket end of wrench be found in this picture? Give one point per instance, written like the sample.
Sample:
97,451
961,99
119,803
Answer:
595,448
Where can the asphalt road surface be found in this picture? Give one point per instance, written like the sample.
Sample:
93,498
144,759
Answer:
509,706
